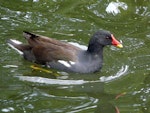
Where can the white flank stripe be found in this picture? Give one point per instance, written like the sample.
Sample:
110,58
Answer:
67,64
71,62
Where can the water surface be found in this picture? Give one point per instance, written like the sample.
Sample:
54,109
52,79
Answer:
121,86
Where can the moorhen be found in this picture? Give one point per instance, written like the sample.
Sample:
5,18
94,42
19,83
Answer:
65,56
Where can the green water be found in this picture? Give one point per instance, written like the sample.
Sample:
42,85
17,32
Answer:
123,85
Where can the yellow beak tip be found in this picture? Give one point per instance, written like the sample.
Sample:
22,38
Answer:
119,46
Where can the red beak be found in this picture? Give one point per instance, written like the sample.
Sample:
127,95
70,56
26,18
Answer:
115,42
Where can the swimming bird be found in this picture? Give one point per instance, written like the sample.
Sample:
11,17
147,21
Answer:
64,56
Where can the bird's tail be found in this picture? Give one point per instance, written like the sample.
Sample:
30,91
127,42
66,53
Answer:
29,35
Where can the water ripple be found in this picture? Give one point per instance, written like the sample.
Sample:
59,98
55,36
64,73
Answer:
113,7
121,72
51,81
9,109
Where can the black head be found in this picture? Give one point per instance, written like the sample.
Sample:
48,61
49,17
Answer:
100,39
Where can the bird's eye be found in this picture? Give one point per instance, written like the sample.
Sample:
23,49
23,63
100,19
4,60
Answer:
107,37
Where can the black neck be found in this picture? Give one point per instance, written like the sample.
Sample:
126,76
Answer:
95,49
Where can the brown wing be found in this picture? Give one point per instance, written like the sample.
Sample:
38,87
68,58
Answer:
47,49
